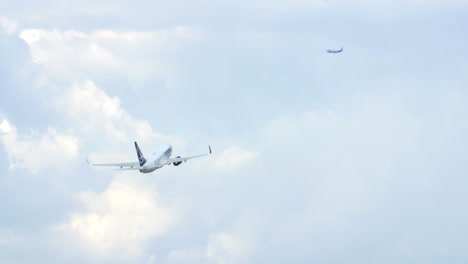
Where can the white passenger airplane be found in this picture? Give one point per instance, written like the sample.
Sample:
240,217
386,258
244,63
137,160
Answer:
160,157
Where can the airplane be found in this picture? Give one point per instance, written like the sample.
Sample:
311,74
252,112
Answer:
159,158
335,51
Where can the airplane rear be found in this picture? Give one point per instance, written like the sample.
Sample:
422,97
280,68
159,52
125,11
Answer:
141,159
159,158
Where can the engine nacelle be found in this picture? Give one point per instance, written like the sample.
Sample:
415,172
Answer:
177,163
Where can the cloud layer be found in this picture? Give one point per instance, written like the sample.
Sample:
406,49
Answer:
356,157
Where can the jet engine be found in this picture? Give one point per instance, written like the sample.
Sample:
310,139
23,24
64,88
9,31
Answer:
177,163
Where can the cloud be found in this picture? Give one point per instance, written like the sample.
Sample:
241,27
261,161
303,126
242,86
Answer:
101,121
230,247
191,255
234,157
120,219
123,218
321,177
75,55
8,25
68,81
94,112
37,152
92,120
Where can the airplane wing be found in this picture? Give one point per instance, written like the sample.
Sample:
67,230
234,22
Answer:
129,165
180,159
128,169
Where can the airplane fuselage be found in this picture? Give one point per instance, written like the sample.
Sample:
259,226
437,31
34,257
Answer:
157,158
335,51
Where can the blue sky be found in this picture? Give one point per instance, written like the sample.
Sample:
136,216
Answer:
358,157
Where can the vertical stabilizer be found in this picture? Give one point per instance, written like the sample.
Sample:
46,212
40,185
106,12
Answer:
141,159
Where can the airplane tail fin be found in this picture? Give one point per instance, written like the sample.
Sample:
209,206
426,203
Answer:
141,159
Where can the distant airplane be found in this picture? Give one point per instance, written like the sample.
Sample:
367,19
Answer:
335,51
159,158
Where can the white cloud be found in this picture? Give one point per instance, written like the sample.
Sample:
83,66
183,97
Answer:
6,127
102,121
36,152
233,157
99,120
96,117
72,55
70,60
320,175
8,25
190,255
227,248
121,219
94,112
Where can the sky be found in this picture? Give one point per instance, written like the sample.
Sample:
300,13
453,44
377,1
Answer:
357,157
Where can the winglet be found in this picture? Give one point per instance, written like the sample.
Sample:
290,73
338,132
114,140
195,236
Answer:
89,162
209,148
141,159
